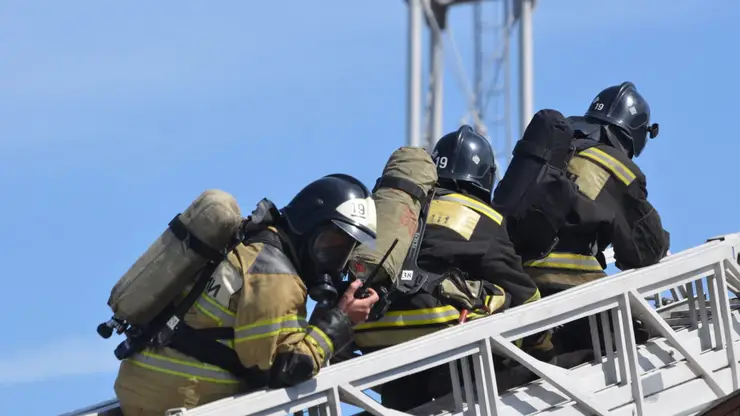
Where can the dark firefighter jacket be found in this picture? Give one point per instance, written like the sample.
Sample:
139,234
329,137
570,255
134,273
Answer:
465,233
613,209
259,293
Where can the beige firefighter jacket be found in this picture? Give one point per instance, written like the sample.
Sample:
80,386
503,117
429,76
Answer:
258,293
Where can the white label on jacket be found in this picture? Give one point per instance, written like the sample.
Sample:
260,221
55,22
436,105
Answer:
224,282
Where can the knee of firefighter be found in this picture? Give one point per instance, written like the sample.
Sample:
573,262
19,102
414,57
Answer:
464,294
496,299
152,391
148,398
550,282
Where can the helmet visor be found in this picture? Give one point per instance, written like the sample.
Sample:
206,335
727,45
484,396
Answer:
360,234
331,249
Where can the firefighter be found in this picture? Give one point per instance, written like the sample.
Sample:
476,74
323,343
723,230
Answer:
262,302
613,209
466,239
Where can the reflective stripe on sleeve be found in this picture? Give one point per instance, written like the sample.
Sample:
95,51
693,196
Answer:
416,317
566,261
318,338
475,205
269,328
386,337
187,368
617,168
213,310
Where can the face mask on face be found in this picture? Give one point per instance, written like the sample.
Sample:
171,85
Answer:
329,251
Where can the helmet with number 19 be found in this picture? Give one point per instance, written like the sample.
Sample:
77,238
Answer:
326,220
627,112
465,161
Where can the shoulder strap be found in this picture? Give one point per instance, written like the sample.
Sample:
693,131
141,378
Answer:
183,234
413,278
264,237
202,344
581,144
162,327
401,184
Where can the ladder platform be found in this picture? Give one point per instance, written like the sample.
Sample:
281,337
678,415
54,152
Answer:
667,378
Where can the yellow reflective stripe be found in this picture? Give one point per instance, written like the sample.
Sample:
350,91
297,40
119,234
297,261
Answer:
617,168
270,327
190,368
228,342
385,337
428,316
473,204
213,310
319,339
566,261
537,295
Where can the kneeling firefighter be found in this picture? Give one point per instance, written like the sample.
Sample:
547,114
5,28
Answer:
612,208
246,327
467,253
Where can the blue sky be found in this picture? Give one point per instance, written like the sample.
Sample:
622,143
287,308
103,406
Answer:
114,117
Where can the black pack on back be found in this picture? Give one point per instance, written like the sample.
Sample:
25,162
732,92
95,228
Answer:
536,194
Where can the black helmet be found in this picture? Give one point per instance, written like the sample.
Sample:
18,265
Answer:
465,157
624,107
327,219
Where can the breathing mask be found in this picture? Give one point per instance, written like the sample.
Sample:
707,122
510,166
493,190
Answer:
327,251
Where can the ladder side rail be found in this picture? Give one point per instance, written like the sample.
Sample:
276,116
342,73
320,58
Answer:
96,409
582,301
657,298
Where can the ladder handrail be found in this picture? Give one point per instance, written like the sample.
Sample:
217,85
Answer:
95,409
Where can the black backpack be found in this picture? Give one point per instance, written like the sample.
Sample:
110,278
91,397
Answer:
537,194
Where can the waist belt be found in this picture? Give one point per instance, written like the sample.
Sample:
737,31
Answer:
567,261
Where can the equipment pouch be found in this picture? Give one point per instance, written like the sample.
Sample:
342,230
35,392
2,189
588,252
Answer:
460,292
495,298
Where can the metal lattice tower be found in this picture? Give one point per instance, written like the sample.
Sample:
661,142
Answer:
492,72
485,83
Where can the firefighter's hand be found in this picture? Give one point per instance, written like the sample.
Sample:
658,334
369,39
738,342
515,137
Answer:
357,309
